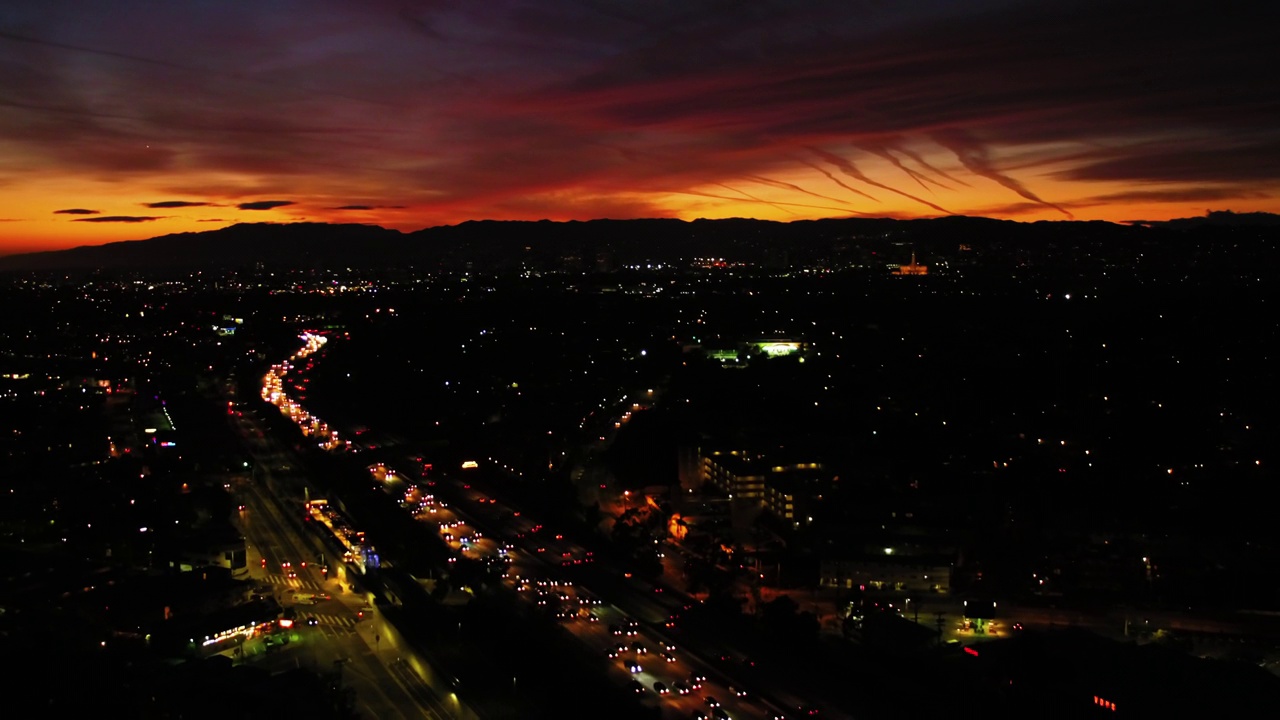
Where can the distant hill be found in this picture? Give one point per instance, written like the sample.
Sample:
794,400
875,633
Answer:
293,244
491,245
1218,218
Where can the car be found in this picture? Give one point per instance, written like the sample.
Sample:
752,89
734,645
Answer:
737,691
699,715
696,681
668,657
681,687
634,667
638,648
668,646
636,686
312,621
720,714
711,702
615,629
660,688
615,651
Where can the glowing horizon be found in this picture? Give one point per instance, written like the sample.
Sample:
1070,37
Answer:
140,120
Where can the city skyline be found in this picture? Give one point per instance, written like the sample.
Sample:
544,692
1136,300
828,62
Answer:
146,120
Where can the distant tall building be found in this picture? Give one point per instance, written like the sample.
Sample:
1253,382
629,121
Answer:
912,268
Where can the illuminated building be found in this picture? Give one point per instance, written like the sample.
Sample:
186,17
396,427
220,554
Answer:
778,347
788,491
733,354
738,474
889,569
912,268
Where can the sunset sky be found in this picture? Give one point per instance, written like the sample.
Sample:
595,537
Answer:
127,119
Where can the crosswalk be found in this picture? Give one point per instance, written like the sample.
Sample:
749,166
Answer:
294,582
338,621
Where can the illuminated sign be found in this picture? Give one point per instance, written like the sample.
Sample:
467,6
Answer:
470,465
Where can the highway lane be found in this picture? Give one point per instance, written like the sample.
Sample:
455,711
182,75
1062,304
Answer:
387,680
651,604
541,561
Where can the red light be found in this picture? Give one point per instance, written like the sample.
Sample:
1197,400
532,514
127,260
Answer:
971,651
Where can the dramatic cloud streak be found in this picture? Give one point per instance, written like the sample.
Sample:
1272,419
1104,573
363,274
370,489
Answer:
76,211
848,168
974,156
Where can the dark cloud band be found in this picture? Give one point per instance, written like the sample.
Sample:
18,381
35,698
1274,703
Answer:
176,204
118,219
264,204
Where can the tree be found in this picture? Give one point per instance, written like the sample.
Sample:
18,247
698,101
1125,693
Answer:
781,618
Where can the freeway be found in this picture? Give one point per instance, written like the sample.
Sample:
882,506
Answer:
644,609
631,631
